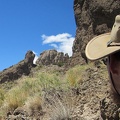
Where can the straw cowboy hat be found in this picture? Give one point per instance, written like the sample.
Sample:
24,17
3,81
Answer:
104,44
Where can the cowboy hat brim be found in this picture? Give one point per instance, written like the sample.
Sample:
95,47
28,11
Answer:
97,48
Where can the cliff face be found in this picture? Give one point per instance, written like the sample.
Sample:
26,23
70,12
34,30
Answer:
93,17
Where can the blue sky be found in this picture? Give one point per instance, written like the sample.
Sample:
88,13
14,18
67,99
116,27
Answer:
35,25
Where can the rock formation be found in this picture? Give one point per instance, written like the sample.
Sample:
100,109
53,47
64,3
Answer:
16,71
93,17
94,100
52,57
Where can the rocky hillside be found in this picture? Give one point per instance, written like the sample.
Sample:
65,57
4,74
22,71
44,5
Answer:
16,71
50,93
48,57
95,17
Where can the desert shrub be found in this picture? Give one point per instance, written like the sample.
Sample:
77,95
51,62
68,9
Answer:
60,111
27,88
2,93
76,74
60,64
61,104
34,104
47,81
15,98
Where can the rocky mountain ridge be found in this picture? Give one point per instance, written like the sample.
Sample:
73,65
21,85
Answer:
93,97
92,18
16,71
48,57
52,57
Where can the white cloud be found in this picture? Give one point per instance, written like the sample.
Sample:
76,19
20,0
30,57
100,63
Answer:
36,57
61,42
54,45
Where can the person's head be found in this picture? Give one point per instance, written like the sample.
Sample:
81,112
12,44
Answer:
113,64
108,45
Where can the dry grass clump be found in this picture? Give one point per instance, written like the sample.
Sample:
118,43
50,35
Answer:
59,111
15,98
2,92
27,88
29,92
48,80
76,74
34,104
60,105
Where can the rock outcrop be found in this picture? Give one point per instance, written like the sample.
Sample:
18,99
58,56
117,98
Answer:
93,17
92,99
16,71
52,57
